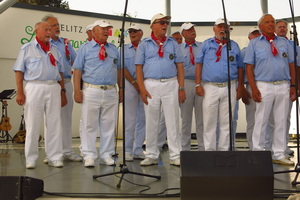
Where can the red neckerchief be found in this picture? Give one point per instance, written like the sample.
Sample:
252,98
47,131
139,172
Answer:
271,40
135,45
102,49
191,51
219,51
160,43
66,41
46,49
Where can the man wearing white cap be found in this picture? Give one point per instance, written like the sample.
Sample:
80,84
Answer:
160,77
97,63
134,108
190,48
88,31
249,103
68,55
271,76
39,64
212,83
177,36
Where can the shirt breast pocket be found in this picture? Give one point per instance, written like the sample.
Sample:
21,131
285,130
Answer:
92,59
283,52
210,54
33,62
114,59
261,54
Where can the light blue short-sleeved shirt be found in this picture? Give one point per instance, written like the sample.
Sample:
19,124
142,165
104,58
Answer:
67,64
94,70
213,71
189,68
268,67
129,53
158,67
35,63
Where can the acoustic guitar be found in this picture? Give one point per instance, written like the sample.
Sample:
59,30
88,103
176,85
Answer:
5,124
21,134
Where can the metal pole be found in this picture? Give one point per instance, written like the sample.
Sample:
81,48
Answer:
168,13
5,4
264,6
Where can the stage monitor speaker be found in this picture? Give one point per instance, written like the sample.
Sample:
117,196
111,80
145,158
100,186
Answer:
226,175
20,188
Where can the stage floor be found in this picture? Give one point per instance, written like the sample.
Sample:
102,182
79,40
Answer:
76,181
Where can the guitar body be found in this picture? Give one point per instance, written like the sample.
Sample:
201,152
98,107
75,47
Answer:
5,124
20,136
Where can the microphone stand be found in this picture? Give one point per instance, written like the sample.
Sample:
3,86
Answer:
228,48
297,167
123,167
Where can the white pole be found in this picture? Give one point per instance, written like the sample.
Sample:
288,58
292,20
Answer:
5,4
168,13
264,6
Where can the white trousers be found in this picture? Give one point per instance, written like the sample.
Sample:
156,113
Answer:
270,129
192,102
66,120
275,99
162,131
99,109
250,117
215,109
43,101
134,121
165,95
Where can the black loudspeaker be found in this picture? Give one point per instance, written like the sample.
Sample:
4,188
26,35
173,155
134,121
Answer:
20,188
226,175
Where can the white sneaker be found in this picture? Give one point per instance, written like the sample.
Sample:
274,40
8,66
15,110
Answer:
30,165
149,161
46,160
89,162
55,163
175,162
139,157
107,161
128,157
73,157
283,161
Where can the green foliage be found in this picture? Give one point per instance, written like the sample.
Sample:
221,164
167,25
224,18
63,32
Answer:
48,3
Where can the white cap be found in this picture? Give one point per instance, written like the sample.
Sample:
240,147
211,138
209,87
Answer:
135,27
102,23
255,28
89,27
221,21
186,26
159,16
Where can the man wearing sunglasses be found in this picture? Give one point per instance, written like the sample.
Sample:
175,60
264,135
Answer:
160,76
134,106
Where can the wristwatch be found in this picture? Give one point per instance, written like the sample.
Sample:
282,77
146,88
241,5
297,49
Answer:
63,90
181,88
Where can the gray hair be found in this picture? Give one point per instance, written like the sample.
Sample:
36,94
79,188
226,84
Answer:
46,17
262,17
282,20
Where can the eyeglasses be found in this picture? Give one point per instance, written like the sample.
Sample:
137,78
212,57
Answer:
133,31
162,22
